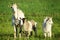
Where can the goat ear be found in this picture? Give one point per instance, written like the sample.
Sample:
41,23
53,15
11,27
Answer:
23,18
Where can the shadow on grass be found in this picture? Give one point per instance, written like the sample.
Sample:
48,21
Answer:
57,35
3,34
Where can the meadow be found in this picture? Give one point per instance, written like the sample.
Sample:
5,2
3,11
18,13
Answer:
33,9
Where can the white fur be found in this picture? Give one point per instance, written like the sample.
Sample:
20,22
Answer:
17,12
47,25
18,15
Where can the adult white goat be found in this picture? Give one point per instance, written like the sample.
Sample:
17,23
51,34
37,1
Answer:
47,25
18,15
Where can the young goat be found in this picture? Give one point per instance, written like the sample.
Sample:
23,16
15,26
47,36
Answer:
47,25
29,26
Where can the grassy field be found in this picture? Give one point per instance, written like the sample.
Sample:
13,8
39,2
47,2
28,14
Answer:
33,9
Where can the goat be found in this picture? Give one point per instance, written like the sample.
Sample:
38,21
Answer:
18,15
47,25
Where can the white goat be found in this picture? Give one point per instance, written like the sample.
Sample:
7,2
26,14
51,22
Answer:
47,25
18,15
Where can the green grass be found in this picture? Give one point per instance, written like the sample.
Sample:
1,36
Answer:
33,9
